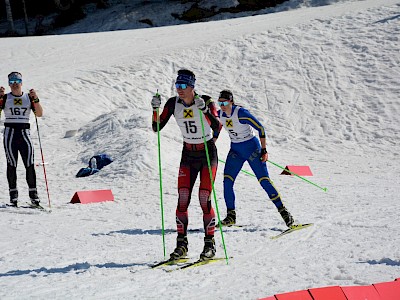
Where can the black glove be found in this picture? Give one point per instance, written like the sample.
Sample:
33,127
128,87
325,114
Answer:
263,152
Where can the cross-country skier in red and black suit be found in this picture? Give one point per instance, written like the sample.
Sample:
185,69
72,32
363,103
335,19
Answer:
188,107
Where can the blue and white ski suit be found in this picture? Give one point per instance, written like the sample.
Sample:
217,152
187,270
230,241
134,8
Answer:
245,146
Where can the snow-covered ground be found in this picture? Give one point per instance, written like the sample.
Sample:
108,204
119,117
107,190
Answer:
325,83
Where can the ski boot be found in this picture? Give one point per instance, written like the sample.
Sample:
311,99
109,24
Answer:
181,248
34,198
230,218
14,197
286,216
209,248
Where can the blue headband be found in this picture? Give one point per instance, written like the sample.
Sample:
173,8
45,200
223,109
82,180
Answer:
186,79
14,75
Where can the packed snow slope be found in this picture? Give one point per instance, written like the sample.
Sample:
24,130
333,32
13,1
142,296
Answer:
324,82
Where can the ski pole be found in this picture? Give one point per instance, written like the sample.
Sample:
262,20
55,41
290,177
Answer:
244,171
248,173
160,175
44,167
306,180
212,184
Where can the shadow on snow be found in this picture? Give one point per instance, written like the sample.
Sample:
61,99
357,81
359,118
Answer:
76,268
383,261
387,19
167,231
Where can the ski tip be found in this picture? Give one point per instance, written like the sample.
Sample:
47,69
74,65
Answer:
39,207
291,229
168,262
301,225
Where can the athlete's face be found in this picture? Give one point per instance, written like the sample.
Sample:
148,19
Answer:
15,84
225,104
185,92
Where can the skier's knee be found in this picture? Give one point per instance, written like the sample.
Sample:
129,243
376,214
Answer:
228,181
184,199
205,201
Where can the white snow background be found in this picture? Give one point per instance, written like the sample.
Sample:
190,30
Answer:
324,81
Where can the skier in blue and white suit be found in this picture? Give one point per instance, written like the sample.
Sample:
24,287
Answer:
245,146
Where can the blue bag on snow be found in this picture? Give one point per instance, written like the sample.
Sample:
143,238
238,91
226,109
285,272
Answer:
99,161
96,163
83,172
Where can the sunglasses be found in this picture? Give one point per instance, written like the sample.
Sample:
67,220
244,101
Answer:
181,86
11,81
224,103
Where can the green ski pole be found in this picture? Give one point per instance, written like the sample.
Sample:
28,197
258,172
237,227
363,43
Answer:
212,184
244,171
248,173
160,175
306,180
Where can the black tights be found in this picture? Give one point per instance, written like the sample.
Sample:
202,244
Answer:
12,176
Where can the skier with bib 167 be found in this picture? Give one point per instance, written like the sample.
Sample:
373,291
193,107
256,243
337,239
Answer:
17,107
188,108
245,146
